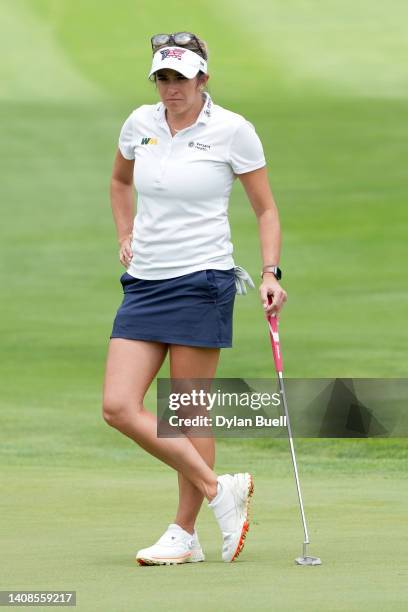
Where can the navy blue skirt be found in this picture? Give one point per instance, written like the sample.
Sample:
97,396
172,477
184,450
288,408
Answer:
195,309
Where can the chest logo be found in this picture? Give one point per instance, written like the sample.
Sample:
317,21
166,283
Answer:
200,146
149,141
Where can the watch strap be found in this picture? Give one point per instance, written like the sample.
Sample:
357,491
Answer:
276,271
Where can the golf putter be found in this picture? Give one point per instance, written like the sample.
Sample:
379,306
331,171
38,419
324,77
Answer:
305,559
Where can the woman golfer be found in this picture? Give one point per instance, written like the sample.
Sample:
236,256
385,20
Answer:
183,154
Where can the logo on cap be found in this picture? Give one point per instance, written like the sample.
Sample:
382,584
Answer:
176,53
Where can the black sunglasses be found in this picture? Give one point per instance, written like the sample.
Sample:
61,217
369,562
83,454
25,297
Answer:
178,38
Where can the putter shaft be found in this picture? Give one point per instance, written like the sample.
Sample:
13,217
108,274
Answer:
292,452
277,357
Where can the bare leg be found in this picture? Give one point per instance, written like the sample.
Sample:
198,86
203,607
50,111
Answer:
193,362
131,366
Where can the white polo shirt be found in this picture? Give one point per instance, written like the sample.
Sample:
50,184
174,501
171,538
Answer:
183,184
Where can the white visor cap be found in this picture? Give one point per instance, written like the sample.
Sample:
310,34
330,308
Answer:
184,61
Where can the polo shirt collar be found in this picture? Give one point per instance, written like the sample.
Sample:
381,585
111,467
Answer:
203,117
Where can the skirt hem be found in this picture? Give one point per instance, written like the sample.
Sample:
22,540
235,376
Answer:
181,341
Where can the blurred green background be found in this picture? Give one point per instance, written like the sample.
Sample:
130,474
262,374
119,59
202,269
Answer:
325,85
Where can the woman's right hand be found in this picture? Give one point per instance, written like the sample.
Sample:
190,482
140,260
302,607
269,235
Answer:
125,250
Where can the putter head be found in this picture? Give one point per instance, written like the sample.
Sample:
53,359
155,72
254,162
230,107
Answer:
308,561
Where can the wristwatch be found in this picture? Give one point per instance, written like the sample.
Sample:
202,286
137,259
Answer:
277,272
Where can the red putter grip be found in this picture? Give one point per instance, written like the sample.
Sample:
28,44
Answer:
274,336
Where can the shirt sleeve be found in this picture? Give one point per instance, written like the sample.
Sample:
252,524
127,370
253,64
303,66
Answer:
246,151
126,139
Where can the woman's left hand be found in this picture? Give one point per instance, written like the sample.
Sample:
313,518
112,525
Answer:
271,286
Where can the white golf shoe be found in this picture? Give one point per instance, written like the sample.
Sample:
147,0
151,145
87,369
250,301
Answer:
175,546
230,507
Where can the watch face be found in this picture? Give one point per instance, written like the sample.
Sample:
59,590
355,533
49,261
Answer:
278,273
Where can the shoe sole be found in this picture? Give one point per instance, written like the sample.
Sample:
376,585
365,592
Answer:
164,561
193,558
245,526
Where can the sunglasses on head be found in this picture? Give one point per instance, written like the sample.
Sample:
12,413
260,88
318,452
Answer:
178,38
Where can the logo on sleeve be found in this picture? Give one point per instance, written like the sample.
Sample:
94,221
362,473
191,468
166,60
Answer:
149,141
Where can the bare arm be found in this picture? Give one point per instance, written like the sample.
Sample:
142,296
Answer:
123,204
256,185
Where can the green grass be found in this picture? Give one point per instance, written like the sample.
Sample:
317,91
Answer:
80,528
77,499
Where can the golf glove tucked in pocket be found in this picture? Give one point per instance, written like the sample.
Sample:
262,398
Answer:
242,279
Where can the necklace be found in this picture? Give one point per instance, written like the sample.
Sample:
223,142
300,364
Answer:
179,130
174,129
